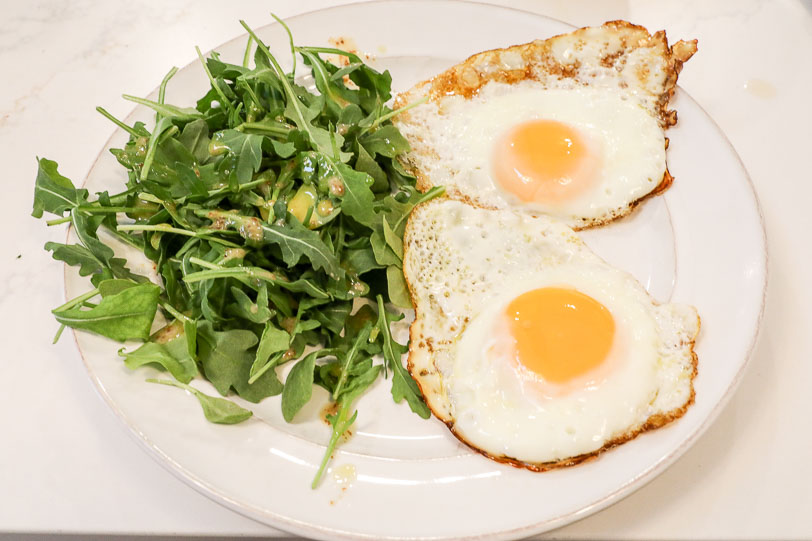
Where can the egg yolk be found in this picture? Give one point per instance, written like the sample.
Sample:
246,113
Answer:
543,161
560,334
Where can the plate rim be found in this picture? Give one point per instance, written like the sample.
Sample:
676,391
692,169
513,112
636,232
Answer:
309,529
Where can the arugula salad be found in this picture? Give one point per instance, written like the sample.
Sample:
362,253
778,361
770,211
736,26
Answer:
274,219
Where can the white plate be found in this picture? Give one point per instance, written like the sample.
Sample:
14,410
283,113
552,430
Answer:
702,243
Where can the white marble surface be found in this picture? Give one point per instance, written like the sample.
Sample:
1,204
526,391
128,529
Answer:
68,466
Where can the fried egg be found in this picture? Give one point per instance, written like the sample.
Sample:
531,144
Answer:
572,126
531,348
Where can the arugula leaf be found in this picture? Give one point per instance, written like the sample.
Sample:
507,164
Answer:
222,355
85,229
296,241
265,385
348,358
250,275
76,255
403,386
246,148
361,260
190,332
54,193
384,256
342,420
216,410
386,141
195,137
273,340
393,240
171,355
298,112
298,387
373,87
337,94
367,374
334,316
226,359
283,150
357,200
397,288
113,286
123,316
162,127
171,112
222,411
113,267
257,312
190,180
367,164
398,210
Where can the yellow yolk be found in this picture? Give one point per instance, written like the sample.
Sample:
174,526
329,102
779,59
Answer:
543,161
559,333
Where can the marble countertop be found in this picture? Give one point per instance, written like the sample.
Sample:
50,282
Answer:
67,465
